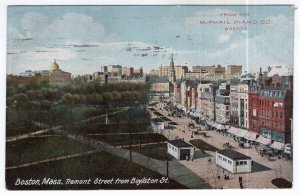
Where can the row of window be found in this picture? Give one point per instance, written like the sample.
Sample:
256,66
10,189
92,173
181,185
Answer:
277,94
274,124
173,148
225,159
271,113
241,163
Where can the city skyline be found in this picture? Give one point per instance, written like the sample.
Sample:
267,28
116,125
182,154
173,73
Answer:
84,38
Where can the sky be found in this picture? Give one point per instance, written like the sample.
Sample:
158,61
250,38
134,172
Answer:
84,38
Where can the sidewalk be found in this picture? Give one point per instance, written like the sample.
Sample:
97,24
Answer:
267,169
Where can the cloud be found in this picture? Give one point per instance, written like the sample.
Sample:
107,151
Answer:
223,38
71,25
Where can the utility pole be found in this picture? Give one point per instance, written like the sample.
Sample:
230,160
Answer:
167,166
130,145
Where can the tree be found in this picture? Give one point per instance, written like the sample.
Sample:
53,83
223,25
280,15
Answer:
20,97
46,104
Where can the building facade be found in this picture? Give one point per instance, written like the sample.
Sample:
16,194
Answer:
243,105
57,76
275,113
222,104
234,105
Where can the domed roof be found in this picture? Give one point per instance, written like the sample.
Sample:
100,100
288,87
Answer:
54,65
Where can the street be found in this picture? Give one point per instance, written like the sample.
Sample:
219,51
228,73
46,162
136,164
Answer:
265,169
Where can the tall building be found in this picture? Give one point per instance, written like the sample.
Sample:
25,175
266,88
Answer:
234,104
254,89
206,99
233,72
164,71
172,77
104,69
222,104
180,71
243,105
274,114
57,76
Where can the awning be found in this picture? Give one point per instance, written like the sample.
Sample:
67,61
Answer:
232,130
251,136
277,145
227,126
240,132
220,127
209,122
263,140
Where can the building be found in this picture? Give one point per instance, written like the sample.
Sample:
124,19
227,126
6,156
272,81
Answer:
172,76
279,70
154,72
180,72
234,161
222,104
206,99
131,72
104,69
204,69
194,76
157,124
177,91
233,72
180,150
164,71
27,73
234,69
220,70
253,108
115,70
243,105
160,88
57,76
275,111
234,104
189,93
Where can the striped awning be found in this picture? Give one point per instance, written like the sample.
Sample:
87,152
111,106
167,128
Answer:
220,127
277,145
232,130
263,140
240,132
251,136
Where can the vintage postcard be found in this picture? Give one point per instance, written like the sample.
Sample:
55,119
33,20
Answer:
149,97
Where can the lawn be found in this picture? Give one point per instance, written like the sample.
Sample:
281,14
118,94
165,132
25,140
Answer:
20,128
202,145
101,165
155,151
101,127
41,148
124,139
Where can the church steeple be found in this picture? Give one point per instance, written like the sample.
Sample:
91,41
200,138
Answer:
172,77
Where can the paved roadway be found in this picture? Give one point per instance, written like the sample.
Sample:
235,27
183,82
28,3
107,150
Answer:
266,169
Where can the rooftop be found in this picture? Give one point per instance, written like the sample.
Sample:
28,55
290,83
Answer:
179,143
234,155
